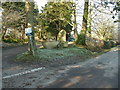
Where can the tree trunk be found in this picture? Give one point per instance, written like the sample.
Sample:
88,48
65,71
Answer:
89,22
23,31
4,33
75,24
82,37
30,23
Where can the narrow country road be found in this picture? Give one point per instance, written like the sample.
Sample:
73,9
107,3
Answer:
8,56
9,65
99,72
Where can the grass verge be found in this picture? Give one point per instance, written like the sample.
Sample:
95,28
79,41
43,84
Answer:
51,54
48,55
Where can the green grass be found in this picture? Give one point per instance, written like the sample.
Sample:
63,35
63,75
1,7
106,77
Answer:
59,53
51,54
105,50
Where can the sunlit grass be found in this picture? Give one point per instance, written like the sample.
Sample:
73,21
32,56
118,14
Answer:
60,53
51,54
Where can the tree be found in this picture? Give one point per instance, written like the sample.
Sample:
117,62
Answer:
53,19
13,16
75,22
116,8
29,6
82,36
102,22
104,29
89,19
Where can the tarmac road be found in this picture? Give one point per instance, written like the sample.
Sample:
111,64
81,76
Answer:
102,73
99,72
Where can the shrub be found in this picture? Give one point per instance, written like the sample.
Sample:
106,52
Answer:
80,40
106,45
112,43
92,46
12,40
115,42
62,45
94,49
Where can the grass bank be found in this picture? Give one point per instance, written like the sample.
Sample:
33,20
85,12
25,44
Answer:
52,54
60,56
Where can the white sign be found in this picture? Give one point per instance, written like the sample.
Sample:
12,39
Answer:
28,30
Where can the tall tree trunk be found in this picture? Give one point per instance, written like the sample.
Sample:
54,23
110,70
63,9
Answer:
30,23
23,31
82,37
75,24
4,33
89,21
119,27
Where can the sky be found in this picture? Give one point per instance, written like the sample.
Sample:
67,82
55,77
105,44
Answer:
41,3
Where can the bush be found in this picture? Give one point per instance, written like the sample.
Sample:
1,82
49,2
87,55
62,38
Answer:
62,45
107,45
94,49
112,43
115,42
92,46
13,40
9,41
80,40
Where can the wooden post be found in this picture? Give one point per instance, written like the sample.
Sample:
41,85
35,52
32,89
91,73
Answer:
31,46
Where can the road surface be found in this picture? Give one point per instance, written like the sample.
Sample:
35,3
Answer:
8,56
99,72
